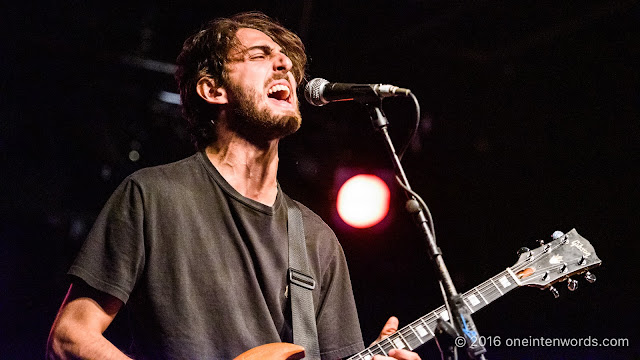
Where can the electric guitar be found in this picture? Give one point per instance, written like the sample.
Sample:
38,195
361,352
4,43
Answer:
569,254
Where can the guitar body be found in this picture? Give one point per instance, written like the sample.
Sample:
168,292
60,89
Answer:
273,351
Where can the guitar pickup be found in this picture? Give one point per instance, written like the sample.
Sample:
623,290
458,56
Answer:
301,279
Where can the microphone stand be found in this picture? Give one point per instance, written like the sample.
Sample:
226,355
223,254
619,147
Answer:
462,328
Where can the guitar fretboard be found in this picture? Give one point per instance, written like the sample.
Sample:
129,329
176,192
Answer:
422,330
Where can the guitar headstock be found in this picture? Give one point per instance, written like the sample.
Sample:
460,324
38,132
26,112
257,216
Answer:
569,254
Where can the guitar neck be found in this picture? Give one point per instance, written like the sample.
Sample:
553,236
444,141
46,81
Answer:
422,330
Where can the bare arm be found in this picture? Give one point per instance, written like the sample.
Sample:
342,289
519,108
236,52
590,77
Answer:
77,330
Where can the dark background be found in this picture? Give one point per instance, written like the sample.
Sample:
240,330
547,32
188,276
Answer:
530,124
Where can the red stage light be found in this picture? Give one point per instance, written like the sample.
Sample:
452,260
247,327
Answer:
363,201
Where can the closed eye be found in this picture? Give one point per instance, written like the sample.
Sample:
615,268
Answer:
257,55
258,52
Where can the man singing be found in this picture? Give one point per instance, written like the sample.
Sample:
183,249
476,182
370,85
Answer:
198,249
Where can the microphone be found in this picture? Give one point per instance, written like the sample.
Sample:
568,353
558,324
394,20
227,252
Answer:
319,92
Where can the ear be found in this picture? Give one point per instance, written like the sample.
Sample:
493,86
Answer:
210,92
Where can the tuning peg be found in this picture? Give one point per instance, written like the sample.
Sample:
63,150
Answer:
554,291
540,242
590,277
582,260
557,235
523,250
572,285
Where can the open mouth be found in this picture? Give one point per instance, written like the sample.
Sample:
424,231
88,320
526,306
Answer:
279,92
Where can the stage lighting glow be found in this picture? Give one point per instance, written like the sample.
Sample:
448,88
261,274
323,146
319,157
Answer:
363,201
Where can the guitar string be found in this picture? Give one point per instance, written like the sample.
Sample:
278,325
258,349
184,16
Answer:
431,317
483,289
408,333
488,288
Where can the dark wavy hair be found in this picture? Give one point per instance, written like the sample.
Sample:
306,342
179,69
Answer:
206,53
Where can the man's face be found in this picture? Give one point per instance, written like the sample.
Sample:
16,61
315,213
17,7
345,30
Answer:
261,88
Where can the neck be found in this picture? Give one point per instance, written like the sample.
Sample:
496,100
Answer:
249,168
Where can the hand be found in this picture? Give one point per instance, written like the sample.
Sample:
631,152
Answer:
399,354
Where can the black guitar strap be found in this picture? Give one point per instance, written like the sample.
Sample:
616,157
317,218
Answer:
301,283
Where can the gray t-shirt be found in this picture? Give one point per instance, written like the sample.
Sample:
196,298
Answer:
203,269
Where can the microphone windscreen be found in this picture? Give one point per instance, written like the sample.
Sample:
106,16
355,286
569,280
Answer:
313,91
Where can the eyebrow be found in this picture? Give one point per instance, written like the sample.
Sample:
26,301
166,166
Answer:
264,48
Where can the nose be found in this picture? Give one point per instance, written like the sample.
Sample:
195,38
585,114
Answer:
282,63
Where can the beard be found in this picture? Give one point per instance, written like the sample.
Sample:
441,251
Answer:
259,124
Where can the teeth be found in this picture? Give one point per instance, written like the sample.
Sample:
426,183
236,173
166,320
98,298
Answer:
279,87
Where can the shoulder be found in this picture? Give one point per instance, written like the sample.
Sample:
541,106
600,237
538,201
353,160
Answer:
320,238
313,222
168,182
167,175
179,169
